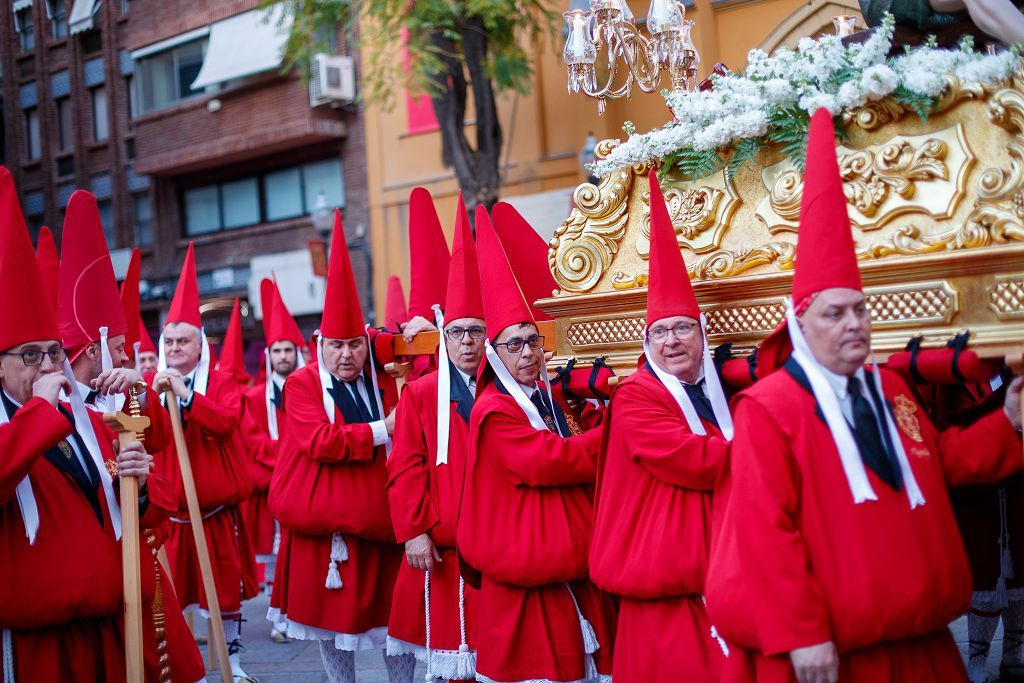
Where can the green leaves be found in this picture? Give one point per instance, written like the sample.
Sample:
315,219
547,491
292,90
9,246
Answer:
788,129
922,105
433,31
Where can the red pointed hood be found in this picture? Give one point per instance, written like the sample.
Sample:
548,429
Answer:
464,298
504,303
88,298
146,342
278,323
232,354
185,305
669,292
825,253
25,310
49,264
343,314
429,259
130,302
528,253
395,310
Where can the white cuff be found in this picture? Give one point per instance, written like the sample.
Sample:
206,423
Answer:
380,433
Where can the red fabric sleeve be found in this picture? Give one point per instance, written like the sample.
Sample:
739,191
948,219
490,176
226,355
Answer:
987,451
35,428
413,511
162,503
160,434
218,418
256,436
328,443
783,602
540,457
687,460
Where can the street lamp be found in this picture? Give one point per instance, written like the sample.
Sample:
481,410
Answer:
322,219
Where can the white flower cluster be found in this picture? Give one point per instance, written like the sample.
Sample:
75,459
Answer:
818,74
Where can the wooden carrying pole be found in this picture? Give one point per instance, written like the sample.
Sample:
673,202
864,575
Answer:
128,427
215,636
425,343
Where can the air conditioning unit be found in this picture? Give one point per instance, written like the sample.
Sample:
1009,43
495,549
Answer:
332,80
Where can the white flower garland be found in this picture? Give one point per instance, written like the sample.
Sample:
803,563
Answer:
818,74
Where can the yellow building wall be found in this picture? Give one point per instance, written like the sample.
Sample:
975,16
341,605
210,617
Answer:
544,131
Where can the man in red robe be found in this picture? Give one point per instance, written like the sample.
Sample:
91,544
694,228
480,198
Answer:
262,421
839,557
93,326
61,589
666,450
526,514
426,478
328,490
211,409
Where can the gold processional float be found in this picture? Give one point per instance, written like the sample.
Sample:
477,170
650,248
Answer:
937,209
938,216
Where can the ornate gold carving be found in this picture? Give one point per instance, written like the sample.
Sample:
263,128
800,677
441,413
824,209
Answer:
912,304
725,263
881,181
623,281
583,247
700,211
739,319
876,114
601,332
1006,297
869,176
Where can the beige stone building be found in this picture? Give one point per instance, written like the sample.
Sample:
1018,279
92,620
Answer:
546,130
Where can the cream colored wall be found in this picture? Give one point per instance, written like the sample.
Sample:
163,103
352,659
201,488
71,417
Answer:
544,137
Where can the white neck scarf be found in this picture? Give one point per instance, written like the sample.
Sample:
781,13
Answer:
444,391
268,394
326,381
849,455
516,391
716,395
202,369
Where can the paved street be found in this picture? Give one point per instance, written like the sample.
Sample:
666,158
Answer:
299,661
295,662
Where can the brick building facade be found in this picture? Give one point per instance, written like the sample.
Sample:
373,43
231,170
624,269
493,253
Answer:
180,141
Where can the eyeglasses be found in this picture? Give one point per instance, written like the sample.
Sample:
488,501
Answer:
680,330
476,333
33,357
515,345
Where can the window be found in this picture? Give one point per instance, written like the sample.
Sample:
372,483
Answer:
64,124
100,119
35,210
287,193
202,210
107,219
283,194
125,6
143,219
23,26
241,203
33,145
57,11
165,78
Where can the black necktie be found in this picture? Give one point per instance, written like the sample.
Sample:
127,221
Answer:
188,382
700,401
365,412
870,442
545,412
276,395
92,395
